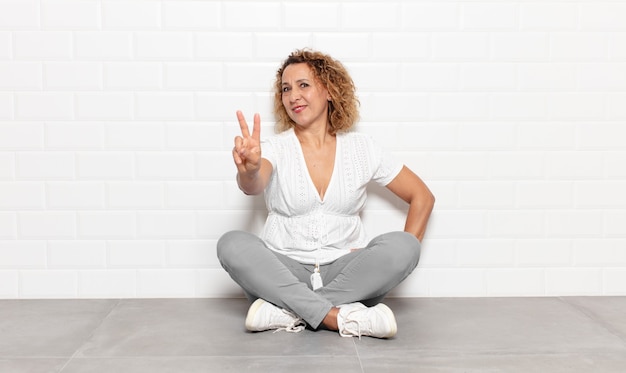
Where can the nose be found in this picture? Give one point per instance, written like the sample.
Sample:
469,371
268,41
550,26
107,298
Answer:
294,95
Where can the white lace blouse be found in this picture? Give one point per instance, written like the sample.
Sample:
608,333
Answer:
299,223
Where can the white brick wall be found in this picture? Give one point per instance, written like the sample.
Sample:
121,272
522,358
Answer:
117,119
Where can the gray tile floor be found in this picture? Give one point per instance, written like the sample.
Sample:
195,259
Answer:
579,334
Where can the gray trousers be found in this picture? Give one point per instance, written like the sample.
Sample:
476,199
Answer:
365,275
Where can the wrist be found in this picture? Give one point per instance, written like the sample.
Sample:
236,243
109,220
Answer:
249,182
247,175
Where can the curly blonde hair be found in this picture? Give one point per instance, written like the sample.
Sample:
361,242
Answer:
343,109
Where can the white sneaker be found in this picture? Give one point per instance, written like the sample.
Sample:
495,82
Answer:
355,319
263,316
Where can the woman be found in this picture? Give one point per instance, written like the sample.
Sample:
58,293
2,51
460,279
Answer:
313,263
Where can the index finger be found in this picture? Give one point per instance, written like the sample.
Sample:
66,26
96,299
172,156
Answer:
242,124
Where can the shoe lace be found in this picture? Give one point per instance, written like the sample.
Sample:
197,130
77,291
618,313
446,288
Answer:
296,326
356,329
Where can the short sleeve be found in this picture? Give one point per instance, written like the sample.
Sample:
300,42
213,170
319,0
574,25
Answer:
387,167
268,151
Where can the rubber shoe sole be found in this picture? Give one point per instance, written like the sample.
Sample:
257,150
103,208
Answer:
382,308
252,313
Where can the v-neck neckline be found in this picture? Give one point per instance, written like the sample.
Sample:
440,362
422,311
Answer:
306,168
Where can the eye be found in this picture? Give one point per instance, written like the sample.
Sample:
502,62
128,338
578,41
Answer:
285,89
304,85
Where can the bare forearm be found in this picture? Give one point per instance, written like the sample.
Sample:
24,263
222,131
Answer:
250,183
408,186
254,182
418,216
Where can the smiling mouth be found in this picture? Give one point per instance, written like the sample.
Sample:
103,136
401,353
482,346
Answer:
298,109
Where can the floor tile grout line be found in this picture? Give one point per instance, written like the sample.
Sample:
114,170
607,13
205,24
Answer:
93,332
358,355
599,321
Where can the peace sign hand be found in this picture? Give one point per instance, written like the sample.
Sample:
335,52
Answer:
247,151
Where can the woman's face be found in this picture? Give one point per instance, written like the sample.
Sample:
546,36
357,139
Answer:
304,98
